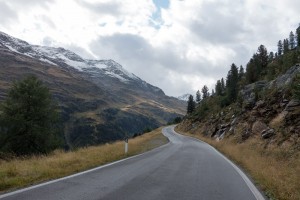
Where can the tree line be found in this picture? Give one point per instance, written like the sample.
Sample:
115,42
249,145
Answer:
226,91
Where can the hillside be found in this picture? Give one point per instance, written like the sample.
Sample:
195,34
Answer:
255,121
266,110
99,100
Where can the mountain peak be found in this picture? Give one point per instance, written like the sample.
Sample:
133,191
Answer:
62,57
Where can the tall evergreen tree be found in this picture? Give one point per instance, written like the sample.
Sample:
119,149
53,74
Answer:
298,35
198,97
29,119
191,105
218,88
223,85
280,48
285,45
271,57
292,40
232,83
252,73
205,92
262,56
241,72
212,92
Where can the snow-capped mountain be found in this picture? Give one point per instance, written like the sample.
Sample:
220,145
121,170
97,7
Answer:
99,100
184,97
62,57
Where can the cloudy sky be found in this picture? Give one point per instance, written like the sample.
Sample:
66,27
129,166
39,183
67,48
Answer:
177,45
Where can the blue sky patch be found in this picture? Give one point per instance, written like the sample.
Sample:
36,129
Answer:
161,3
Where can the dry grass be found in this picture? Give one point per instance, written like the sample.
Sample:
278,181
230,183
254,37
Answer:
27,171
276,171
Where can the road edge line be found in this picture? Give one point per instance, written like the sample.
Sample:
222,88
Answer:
257,194
78,174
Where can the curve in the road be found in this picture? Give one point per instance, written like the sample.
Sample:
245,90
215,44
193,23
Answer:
185,168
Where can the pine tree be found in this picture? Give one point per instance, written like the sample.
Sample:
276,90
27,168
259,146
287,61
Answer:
253,69
232,83
29,119
198,97
191,105
285,46
262,55
223,85
271,57
212,92
280,47
298,35
292,40
241,72
205,92
218,88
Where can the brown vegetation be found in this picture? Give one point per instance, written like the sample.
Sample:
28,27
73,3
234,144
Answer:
275,170
20,172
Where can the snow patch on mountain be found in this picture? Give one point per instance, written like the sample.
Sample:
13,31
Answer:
59,56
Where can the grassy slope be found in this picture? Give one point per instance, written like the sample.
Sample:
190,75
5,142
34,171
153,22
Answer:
27,171
275,171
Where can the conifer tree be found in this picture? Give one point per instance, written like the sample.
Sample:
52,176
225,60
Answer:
198,97
28,119
298,35
205,92
223,85
262,56
292,40
212,92
241,72
280,48
218,88
232,83
285,46
271,57
191,105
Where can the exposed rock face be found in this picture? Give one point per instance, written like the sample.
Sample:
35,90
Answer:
248,92
275,118
285,79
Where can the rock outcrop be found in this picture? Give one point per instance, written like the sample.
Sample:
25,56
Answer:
272,117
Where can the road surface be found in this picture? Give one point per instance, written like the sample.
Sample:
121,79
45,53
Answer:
184,169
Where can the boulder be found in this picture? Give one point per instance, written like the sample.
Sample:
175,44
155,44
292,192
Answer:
258,127
265,134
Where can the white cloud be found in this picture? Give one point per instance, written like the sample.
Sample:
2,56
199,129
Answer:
190,43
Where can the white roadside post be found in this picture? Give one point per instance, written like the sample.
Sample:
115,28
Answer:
126,145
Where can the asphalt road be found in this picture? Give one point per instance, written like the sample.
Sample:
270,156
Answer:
183,169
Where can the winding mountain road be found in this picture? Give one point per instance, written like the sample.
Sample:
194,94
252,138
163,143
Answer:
185,168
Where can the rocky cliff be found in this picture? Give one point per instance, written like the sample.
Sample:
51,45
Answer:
266,110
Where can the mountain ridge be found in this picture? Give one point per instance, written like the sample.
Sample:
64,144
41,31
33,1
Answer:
99,99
